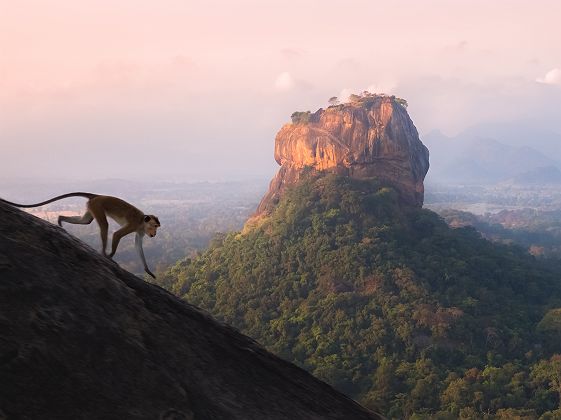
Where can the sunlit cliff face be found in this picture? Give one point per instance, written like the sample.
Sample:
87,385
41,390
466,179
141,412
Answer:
372,138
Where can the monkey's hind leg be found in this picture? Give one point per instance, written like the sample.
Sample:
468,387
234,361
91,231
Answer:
86,219
101,220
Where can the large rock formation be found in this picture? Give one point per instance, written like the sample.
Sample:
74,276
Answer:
371,136
80,338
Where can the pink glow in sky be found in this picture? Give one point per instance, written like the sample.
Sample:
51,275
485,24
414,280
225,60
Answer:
198,89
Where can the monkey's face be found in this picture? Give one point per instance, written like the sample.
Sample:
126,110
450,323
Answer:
151,225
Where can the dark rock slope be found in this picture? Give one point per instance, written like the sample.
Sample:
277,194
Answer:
81,338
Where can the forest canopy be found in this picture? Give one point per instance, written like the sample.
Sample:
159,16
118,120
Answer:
389,304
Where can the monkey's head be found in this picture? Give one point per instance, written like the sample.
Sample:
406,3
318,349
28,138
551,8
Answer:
151,225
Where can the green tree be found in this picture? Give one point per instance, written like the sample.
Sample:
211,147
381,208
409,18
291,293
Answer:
333,101
402,102
549,371
385,302
301,117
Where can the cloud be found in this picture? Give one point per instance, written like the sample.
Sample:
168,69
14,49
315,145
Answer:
344,95
552,77
457,48
182,63
348,64
291,54
122,72
385,86
284,81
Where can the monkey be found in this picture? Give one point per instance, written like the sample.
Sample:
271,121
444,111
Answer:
99,207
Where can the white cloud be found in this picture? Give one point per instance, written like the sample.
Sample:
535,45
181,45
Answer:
284,81
291,54
344,95
386,86
552,77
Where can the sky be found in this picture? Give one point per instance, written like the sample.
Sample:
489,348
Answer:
191,90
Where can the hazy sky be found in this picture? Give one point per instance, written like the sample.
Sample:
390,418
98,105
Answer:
198,89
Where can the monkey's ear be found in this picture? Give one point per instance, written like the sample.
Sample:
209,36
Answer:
146,219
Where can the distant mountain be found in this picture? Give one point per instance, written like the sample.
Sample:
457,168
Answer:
470,158
80,338
543,176
520,134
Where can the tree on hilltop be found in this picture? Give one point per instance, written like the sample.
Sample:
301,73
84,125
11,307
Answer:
401,101
300,117
333,101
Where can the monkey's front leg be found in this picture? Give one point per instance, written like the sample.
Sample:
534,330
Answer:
138,244
117,238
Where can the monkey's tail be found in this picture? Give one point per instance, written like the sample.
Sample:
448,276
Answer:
60,197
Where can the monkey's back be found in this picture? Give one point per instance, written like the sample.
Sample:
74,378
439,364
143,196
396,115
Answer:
116,208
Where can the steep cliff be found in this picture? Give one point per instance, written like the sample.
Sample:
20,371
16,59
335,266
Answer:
371,137
81,338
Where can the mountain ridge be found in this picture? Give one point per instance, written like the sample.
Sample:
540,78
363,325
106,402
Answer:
470,157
